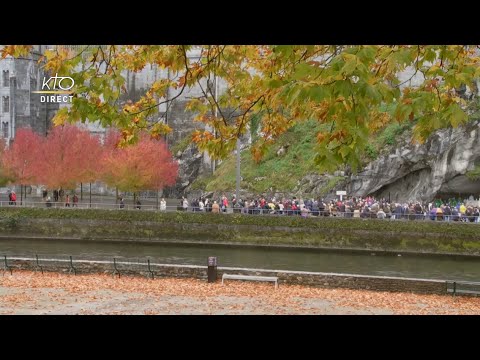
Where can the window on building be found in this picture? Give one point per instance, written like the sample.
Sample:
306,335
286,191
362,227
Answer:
6,78
6,104
5,129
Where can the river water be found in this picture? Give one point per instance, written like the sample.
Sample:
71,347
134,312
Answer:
365,263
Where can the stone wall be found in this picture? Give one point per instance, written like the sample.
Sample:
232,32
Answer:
378,238
324,280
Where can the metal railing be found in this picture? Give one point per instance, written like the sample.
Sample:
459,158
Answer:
6,267
67,264
248,211
144,267
463,287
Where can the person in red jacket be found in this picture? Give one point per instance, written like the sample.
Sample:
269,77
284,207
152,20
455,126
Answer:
224,204
14,198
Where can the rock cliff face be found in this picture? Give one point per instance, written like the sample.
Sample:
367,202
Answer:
407,172
423,171
190,166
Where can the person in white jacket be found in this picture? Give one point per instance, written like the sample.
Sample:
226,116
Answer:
163,205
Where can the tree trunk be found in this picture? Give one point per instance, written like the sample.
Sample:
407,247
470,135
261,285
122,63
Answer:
134,198
157,198
116,195
81,191
90,195
21,194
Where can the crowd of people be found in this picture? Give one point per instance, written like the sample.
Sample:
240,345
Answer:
350,207
205,204
59,196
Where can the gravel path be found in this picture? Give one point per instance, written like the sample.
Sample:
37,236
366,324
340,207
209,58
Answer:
30,293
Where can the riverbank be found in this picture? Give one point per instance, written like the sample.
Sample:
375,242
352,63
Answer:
328,233
26,292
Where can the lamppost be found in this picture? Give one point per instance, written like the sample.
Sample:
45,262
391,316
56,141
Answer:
237,190
214,162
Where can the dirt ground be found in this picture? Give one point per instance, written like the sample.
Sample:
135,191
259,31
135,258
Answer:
52,293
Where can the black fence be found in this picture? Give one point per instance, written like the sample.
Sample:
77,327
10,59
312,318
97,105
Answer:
117,267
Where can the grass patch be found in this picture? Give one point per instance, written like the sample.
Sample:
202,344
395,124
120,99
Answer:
282,173
389,135
474,174
331,184
273,173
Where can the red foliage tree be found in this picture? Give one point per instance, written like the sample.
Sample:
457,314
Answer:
22,160
143,166
71,155
111,141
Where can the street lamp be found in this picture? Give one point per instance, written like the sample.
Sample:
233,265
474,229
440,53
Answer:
237,190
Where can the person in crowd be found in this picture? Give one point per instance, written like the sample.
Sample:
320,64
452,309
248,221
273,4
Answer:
455,214
447,212
304,211
476,214
224,204
163,205
215,208
418,211
439,214
381,214
469,214
462,210
208,205
75,200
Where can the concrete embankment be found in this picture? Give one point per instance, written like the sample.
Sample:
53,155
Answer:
329,233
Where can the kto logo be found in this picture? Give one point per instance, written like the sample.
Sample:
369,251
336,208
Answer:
61,79
61,85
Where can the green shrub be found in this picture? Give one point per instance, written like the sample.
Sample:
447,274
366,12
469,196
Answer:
332,182
380,226
371,151
474,174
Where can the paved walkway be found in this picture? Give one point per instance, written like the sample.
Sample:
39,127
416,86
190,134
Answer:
29,293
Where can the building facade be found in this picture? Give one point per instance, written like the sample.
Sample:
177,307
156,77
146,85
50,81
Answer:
19,107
